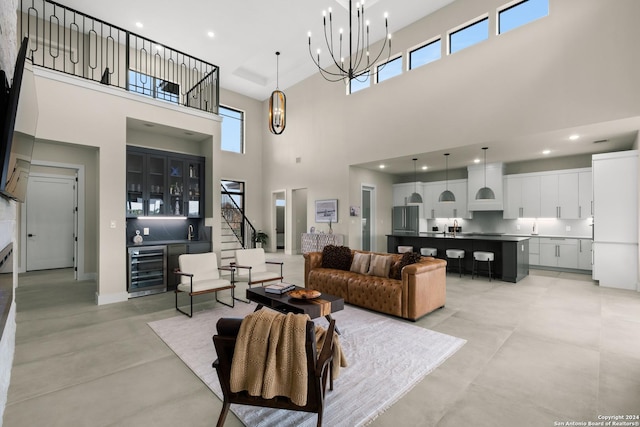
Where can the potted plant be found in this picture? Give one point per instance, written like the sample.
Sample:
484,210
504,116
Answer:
260,238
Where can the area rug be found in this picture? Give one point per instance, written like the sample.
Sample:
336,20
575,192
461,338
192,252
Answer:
387,357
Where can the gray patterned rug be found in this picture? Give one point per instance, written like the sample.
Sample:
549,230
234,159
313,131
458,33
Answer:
386,357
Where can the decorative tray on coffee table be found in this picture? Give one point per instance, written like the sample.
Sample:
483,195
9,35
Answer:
304,294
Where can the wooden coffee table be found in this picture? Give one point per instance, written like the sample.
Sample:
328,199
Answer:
324,305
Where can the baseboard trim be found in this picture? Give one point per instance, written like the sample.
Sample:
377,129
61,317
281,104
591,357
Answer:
103,299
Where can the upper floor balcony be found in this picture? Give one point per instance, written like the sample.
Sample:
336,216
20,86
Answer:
72,42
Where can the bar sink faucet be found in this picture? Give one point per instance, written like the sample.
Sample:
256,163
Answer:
190,233
455,227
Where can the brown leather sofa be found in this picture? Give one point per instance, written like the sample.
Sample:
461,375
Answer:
421,290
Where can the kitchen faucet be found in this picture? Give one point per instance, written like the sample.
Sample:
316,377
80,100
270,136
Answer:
190,233
455,227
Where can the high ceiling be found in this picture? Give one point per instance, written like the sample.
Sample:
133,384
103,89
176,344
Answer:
248,33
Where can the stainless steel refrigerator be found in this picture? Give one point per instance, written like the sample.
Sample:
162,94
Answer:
406,220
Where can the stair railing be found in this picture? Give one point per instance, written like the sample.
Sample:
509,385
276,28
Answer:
237,221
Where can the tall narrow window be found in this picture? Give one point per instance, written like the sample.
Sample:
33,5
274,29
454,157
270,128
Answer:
469,35
424,54
232,129
521,13
360,82
389,69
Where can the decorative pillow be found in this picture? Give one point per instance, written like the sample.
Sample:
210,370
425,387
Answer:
407,258
380,265
360,263
338,257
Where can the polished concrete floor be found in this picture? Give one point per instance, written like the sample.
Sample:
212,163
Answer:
553,348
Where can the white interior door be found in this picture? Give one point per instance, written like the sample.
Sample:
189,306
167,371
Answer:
50,210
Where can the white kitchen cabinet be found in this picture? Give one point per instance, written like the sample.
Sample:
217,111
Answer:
522,196
559,252
534,251
430,191
585,254
615,219
476,180
585,194
401,192
428,201
457,209
560,196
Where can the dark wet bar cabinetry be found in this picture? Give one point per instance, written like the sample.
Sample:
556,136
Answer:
161,183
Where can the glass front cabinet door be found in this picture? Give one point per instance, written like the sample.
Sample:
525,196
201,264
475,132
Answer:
161,183
135,184
185,180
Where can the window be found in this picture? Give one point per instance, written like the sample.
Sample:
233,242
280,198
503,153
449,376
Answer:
232,129
154,87
233,190
469,35
424,54
521,13
389,69
359,82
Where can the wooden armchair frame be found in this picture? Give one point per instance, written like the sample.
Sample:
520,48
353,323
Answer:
318,370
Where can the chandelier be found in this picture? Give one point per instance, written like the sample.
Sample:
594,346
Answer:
360,62
277,107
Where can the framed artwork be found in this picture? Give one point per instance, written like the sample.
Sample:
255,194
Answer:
354,211
327,210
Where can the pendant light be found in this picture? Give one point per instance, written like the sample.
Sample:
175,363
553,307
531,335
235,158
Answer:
485,193
277,107
415,196
446,195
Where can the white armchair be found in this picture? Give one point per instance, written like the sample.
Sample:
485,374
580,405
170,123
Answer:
251,268
200,274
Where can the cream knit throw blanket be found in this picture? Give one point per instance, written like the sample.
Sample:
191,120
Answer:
263,363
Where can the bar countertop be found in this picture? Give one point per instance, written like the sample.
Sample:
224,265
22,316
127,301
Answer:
496,237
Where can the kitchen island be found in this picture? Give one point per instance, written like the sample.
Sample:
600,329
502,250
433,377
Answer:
511,262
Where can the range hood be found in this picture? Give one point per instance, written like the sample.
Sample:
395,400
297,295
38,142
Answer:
476,177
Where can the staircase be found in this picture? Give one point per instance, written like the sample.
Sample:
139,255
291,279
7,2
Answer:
236,230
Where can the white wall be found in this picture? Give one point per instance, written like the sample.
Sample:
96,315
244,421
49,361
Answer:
96,116
554,73
8,52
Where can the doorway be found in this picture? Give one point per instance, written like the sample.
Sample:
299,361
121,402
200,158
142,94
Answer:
51,221
279,206
368,224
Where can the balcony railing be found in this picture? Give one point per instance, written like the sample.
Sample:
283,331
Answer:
72,42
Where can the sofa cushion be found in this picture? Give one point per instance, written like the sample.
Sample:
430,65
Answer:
380,265
338,257
360,263
407,258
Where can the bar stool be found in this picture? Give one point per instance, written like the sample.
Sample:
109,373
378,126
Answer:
405,249
456,253
428,252
482,256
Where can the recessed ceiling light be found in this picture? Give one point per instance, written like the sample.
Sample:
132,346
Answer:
210,34
159,48
424,168
574,137
476,160
381,166
139,24
545,152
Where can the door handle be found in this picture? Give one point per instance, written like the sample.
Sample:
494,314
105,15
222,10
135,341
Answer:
31,235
